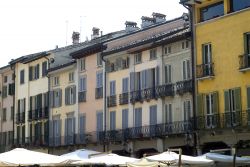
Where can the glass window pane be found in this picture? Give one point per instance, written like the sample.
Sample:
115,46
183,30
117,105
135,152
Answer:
212,11
239,4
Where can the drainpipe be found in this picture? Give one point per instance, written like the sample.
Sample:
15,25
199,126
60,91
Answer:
14,96
105,101
194,83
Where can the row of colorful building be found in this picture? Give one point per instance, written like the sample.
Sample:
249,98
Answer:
180,83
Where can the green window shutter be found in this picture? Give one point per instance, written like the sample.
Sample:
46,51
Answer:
226,101
216,102
200,105
245,44
237,99
248,98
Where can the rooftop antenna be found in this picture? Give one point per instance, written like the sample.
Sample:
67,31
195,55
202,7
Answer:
67,32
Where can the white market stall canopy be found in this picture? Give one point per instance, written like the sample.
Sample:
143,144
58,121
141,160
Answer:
107,159
227,159
24,157
143,163
173,158
80,154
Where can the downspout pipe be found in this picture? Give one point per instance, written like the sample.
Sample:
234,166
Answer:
105,98
194,83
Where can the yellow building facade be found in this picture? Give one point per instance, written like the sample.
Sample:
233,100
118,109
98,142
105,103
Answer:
222,45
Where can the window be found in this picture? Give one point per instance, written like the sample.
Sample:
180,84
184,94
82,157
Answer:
207,59
82,64
168,74
147,78
82,127
168,113
69,129
82,86
153,53
99,121
212,11
112,88
21,105
239,4
57,131
36,72
112,120
187,44
56,81
153,115
186,70
22,77
167,49
187,110
71,77
247,43
99,59
232,101
56,98
138,58
99,79
11,89
70,95
125,85
211,108
12,113
138,117
44,68
5,92
124,118
5,79
4,114
183,45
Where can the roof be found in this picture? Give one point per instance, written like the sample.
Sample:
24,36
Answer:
151,39
29,58
62,66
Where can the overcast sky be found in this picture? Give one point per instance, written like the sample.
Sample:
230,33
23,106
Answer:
30,26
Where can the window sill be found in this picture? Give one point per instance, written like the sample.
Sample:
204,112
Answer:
244,69
205,77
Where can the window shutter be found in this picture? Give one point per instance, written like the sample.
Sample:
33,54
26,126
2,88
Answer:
184,70
38,71
66,130
153,115
245,44
124,118
188,69
132,81
52,100
237,99
200,105
216,103
60,98
66,96
157,76
24,104
30,73
226,101
31,103
74,94
248,98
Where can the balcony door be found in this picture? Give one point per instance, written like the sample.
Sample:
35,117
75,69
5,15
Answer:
232,103
210,110
207,59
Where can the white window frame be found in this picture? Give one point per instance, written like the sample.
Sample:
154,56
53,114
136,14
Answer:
56,80
71,77
82,64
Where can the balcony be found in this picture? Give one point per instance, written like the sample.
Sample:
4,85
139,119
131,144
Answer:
158,130
204,71
183,87
82,96
244,62
38,114
135,96
148,94
123,98
112,101
99,93
20,118
164,90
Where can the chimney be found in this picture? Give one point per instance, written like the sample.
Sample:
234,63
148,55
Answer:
75,37
131,26
95,31
147,21
159,18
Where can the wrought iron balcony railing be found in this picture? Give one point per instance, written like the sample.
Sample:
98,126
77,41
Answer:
38,114
135,96
148,94
112,101
82,96
205,70
99,93
123,98
158,130
38,140
244,61
164,90
183,87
